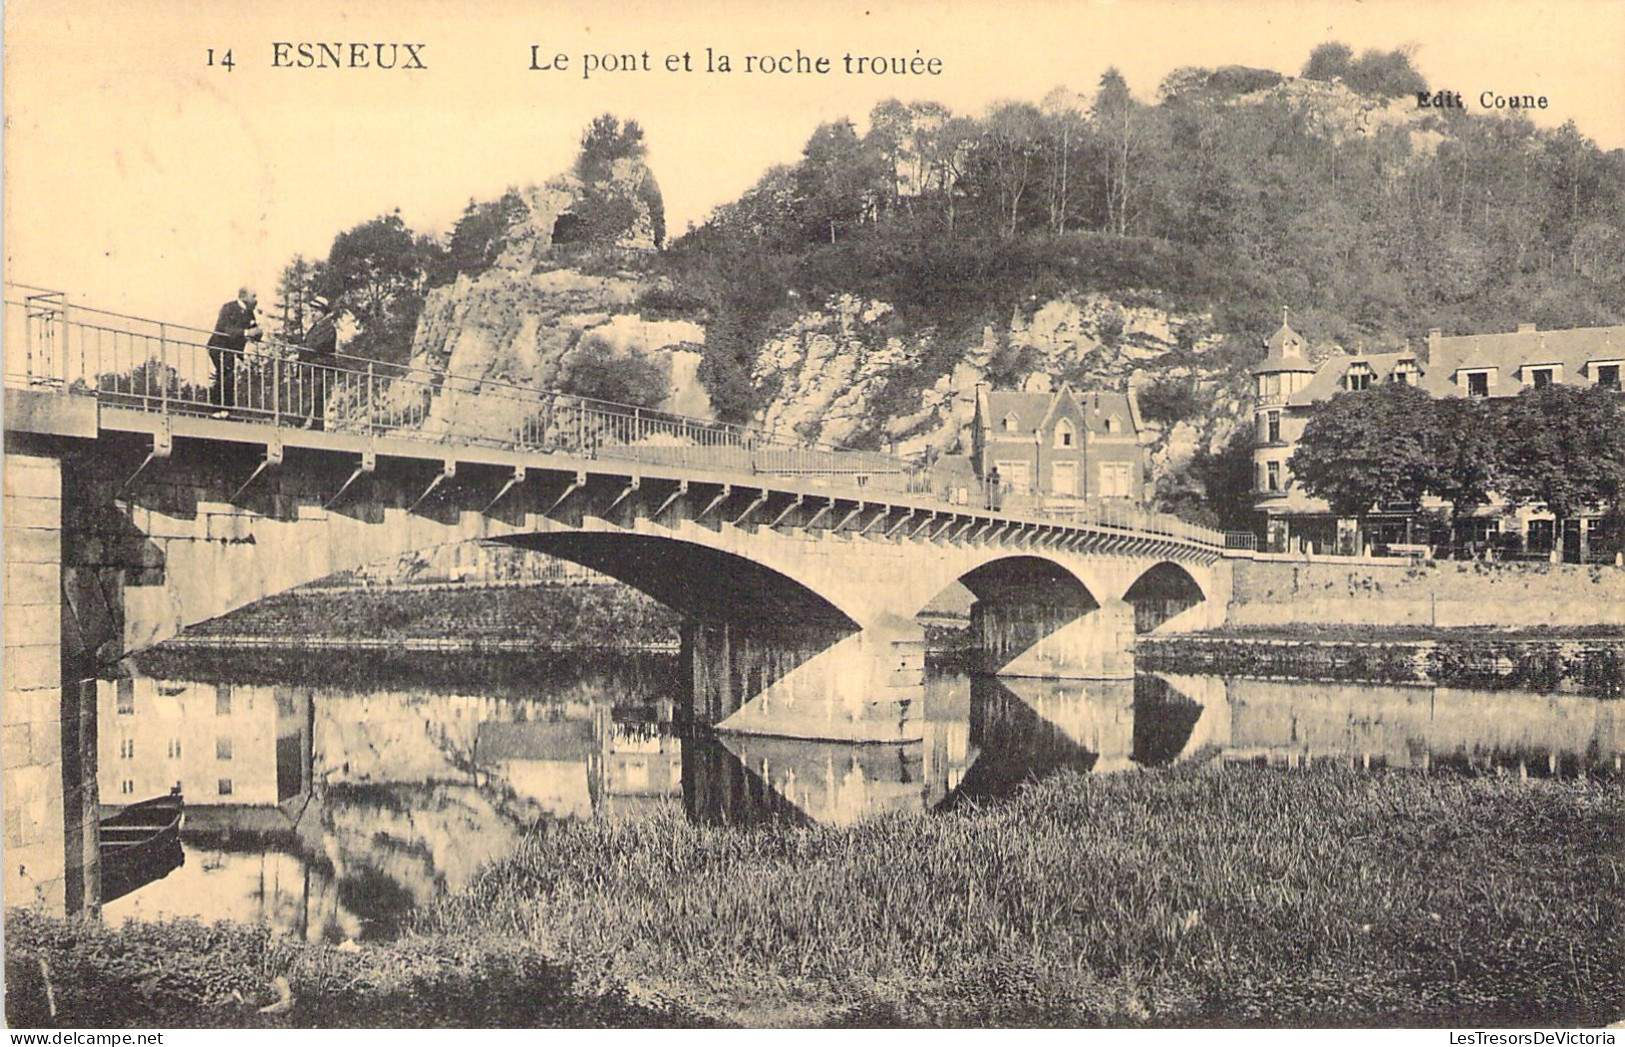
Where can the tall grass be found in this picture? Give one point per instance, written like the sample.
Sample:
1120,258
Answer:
1243,896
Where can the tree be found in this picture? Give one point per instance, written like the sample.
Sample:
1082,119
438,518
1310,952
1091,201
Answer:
1565,448
1064,129
1388,74
1009,156
1115,116
378,272
295,287
605,141
1362,449
1329,61
1464,443
481,233
839,182
597,370
617,187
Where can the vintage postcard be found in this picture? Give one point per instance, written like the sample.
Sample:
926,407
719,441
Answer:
834,514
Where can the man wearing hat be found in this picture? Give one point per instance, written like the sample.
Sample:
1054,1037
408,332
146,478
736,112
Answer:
316,352
233,330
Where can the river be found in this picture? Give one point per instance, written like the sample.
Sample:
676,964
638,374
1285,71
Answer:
331,793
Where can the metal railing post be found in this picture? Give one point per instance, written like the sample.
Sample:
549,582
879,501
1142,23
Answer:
276,389
163,369
369,398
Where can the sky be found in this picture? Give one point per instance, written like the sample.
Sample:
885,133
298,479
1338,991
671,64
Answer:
142,179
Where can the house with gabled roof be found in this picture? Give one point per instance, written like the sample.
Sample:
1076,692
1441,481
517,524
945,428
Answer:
1288,387
1059,446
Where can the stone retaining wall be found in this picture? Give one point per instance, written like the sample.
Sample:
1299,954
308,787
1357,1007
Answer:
1447,594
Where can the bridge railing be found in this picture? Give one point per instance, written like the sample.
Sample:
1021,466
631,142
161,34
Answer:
144,364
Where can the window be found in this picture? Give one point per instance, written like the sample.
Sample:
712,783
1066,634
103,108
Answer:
222,699
1015,476
1405,373
1113,424
1478,384
1064,434
1009,423
1358,378
222,748
1608,376
175,749
1541,377
1064,478
1275,427
1274,483
126,749
223,787
1114,480
126,697
126,787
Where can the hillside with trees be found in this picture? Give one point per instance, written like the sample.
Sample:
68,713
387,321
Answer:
1160,237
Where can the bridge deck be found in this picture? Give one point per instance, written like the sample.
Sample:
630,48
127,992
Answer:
159,379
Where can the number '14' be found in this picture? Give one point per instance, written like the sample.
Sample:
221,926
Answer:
225,60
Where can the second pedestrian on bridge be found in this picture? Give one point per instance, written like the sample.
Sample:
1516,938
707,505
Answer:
316,351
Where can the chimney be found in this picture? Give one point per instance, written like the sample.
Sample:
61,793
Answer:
1435,335
1526,328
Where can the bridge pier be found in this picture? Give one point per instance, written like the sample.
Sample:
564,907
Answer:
50,842
1065,641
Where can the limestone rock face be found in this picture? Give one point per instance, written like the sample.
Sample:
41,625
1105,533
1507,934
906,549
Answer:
849,371
516,321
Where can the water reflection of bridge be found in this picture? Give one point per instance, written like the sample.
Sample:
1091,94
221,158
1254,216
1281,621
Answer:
347,808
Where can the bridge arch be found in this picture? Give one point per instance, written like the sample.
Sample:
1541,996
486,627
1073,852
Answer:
701,582
1162,594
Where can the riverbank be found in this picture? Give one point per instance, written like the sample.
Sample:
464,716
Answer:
1583,660
447,617
1195,897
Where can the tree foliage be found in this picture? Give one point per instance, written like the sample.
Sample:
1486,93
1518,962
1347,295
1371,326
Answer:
596,369
481,233
1362,449
1565,447
617,187
1232,194
379,272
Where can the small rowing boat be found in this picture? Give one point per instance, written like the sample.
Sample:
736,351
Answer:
141,843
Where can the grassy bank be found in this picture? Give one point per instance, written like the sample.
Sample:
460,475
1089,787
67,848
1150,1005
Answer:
1190,898
1196,897
78,974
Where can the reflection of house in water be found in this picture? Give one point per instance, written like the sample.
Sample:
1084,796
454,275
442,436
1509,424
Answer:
242,755
578,768
224,743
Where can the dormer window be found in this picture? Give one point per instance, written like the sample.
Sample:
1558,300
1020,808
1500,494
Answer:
1477,383
1009,423
1065,435
1539,376
1607,376
1405,373
1359,377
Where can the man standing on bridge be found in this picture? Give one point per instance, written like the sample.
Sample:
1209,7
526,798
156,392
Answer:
232,331
316,352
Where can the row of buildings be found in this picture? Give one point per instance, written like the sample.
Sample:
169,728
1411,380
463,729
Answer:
1482,366
1054,449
